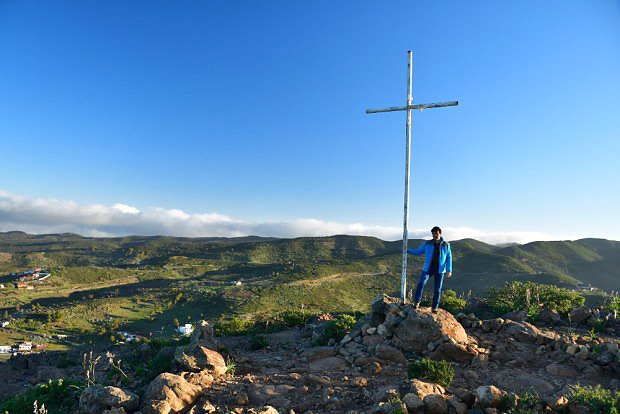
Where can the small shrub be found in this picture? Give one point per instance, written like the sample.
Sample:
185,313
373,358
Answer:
597,399
530,297
336,329
233,327
59,397
440,372
451,302
231,366
521,403
258,342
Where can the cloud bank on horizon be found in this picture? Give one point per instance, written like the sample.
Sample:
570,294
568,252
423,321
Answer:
43,216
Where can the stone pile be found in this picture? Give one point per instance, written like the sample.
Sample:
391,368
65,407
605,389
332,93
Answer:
393,331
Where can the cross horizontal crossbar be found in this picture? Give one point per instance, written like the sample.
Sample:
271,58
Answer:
418,107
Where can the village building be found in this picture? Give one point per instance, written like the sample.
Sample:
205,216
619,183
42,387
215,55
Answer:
5,349
25,346
186,329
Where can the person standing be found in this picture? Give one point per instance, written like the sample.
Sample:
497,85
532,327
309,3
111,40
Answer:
438,262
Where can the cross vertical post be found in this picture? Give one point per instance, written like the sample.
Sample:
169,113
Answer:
409,107
403,280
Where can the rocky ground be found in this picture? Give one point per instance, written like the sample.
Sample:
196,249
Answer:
366,372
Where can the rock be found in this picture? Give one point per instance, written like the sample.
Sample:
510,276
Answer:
386,393
118,410
466,396
421,327
480,361
521,331
572,349
558,403
171,389
203,332
413,402
560,370
157,407
454,352
196,357
459,407
518,316
421,389
549,316
524,382
489,396
330,364
580,314
312,379
318,352
201,379
383,331
272,394
381,303
435,404
97,398
603,358
371,341
389,353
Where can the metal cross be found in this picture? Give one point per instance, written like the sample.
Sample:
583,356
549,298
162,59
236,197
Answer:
409,107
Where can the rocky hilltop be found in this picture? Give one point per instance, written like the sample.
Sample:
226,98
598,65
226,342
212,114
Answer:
496,363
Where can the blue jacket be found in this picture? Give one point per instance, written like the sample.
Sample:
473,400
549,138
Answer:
445,255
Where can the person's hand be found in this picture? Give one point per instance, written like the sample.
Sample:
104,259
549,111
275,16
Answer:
448,274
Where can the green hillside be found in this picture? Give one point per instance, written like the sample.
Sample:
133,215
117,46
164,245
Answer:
148,284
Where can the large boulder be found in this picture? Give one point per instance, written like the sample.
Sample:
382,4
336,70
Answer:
420,327
196,357
169,390
97,398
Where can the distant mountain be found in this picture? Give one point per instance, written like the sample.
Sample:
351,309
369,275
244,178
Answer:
477,265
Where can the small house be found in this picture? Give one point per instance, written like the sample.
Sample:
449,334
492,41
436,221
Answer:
4,324
186,329
5,349
25,346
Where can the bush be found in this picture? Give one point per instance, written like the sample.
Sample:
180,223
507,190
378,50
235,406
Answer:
530,297
59,397
451,302
597,399
233,327
439,372
258,342
337,328
521,403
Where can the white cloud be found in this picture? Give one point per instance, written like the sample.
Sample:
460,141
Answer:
36,215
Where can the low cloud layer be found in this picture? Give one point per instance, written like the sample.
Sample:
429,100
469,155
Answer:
40,216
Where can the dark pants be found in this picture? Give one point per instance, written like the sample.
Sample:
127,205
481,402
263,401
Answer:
437,291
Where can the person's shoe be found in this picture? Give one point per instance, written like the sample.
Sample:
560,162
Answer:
416,305
434,310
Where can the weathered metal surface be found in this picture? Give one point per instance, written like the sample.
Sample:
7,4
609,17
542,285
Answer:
409,107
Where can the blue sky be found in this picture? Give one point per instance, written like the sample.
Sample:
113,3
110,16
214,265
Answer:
228,118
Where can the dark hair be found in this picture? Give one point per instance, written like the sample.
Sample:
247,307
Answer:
436,228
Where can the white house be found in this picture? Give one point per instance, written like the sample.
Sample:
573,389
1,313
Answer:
5,349
25,346
4,324
187,329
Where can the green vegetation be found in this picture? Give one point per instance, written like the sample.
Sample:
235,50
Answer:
59,397
597,399
450,301
439,372
522,403
337,328
531,297
101,287
258,342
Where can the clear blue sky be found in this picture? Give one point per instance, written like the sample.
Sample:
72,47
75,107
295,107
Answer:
229,117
